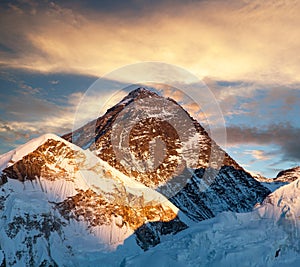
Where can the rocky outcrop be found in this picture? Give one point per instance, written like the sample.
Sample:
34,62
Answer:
152,218
289,175
36,164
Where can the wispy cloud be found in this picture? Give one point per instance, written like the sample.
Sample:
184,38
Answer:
258,103
258,154
28,115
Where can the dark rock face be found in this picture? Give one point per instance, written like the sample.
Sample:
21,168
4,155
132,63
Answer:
230,188
149,234
45,224
3,179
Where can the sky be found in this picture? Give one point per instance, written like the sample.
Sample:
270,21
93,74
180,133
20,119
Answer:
247,53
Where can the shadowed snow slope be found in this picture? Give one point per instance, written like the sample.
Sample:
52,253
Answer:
268,236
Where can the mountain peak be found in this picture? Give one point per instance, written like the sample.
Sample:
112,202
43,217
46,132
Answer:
21,151
141,92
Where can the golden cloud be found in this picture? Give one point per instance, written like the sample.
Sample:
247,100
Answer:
258,154
252,40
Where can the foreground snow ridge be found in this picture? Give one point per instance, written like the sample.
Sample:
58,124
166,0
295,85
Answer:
268,236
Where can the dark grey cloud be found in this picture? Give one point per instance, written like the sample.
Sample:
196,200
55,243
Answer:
116,7
134,7
8,134
284,135
6,49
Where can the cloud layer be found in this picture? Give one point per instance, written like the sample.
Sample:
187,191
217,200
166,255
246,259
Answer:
231,40
285,136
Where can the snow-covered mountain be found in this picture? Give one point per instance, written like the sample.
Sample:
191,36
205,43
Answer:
283,177
56,199
200,190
